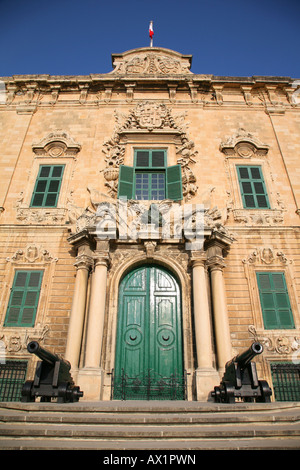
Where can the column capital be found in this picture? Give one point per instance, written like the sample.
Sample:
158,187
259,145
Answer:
198,258
216,263
83,261
84,258
101,258
101,253
215,254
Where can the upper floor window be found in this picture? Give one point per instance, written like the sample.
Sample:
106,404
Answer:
253,188
274,299
47,186
24,298
150,178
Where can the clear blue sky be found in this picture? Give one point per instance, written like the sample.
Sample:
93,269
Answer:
77,37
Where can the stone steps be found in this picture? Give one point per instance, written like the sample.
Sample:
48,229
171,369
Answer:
149,425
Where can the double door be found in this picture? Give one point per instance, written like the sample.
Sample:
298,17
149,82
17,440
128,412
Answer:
149,356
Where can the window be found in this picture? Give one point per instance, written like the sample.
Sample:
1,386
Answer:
253,188
274,299
150,178
24,298
47,186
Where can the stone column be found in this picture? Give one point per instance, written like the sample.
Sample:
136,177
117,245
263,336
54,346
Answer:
91,376
75,331
96,311
201,313
206,376
219,301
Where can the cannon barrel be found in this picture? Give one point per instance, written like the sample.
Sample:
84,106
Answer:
245,357
34,348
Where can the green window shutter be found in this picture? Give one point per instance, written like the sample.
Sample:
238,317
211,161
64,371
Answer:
253,188
47,186
174,182
126,175
24,299
274,299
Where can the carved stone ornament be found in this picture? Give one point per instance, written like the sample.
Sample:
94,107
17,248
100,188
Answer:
266,256
150,246
32,254
277,343
14,341
144,220
30,215
151,61
146,117
57,144
243,144
258,217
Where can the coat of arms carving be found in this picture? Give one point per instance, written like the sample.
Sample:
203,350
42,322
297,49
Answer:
150,115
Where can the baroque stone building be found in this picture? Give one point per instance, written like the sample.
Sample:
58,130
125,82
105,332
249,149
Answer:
150,222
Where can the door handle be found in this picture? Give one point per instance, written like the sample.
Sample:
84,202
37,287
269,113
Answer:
133,339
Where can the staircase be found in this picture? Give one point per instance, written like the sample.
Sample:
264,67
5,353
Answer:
149,425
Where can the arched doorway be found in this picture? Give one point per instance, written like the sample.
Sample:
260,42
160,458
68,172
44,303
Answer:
149,353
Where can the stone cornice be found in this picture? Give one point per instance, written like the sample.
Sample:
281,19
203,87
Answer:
26,93
92,79
142,69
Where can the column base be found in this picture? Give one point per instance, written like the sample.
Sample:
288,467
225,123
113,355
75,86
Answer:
206,379
90,381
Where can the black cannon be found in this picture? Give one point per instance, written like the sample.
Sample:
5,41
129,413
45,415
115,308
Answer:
240,380
52,378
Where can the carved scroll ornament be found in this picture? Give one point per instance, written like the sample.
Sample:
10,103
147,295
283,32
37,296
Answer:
57,144
277,343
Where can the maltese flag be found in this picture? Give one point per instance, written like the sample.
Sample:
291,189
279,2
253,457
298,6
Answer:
151,32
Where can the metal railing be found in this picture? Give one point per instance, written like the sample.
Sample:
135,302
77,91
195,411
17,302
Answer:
286,381
12,377
148,386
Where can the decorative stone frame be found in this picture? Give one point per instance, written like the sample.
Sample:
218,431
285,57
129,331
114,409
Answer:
150,122
32,257
125,261
244,149
276,341
57,148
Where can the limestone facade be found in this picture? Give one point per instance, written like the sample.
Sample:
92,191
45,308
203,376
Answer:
209,126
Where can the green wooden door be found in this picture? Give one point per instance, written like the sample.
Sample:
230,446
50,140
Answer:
149,359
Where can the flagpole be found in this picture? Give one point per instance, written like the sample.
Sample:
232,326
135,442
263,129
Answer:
151,36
